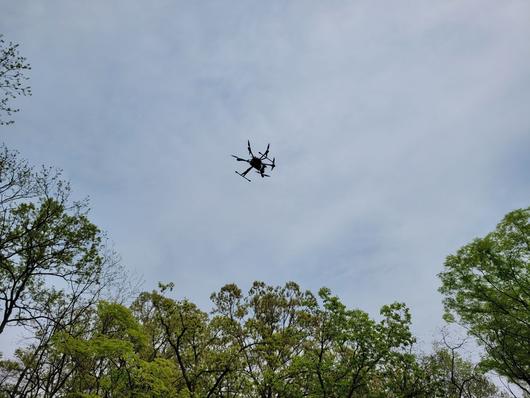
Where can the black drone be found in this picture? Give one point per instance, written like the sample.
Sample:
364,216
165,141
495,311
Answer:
256,162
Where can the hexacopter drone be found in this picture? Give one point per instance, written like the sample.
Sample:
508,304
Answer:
256,162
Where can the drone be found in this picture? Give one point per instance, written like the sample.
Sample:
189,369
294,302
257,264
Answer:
256,162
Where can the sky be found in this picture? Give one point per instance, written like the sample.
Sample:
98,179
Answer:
401,132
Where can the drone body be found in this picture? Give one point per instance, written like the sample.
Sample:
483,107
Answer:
256,162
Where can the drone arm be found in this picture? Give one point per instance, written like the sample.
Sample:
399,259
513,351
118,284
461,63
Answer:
246,171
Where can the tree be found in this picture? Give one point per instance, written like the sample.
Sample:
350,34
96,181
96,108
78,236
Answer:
451,375
291,346
54,266
49,250
12,78
351,352
269,331
486,288
181,333
273,342
108,361
38,369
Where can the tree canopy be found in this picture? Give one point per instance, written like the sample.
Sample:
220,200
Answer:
486,286
274,341
51,255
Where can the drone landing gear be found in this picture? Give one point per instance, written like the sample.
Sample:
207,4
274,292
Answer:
242,175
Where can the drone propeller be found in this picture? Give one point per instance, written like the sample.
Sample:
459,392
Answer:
264,155
273,165
249,150
239,159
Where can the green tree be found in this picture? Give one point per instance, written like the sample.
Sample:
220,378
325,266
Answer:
49,250
451,375
180,332
54,266
12,78
273,342
486,285
351,351
270,329
107,362
291,346
37,369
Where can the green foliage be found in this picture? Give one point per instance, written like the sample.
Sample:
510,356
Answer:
486,285
43,238
268,330
12,78
272,342
108,361
53,267
182,334
351,352
451,375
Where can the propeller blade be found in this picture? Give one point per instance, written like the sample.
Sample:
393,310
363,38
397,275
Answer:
264,155
249,150
266,151
239,159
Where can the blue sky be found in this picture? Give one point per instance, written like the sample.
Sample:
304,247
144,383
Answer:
401,131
